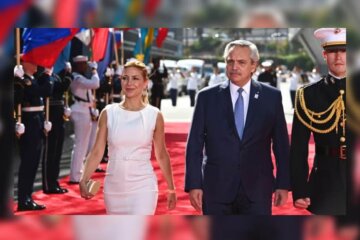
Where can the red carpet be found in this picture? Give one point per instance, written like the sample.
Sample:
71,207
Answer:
176,135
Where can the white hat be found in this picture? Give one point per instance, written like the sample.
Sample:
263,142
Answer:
80,58
331,36
267,63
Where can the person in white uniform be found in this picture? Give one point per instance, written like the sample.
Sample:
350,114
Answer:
215,77
82,112
130,128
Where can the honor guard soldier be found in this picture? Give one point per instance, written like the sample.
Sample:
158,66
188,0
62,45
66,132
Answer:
102,99
157,76
320,110
31,142
116,94
83,111
59,113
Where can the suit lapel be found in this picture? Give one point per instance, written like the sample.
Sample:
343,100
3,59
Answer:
227,106
254,99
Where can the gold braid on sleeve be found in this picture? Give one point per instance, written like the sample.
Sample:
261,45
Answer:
335,111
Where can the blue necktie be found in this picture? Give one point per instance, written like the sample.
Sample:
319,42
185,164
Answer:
239,113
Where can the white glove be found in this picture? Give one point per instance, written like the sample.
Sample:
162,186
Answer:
112,71
68,66
95,112
49,71
47,126
19,128
93,65
108,72
67,111
119,70
19,71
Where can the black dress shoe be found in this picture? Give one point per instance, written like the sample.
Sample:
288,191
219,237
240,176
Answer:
57,190
104,159
73,183
100,170
29,205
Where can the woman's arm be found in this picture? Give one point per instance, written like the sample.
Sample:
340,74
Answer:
162,156
94,157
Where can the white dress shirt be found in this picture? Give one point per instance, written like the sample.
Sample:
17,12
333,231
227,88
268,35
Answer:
245,94
215,79
192,81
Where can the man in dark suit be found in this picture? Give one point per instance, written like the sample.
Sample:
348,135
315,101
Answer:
237,122
320,111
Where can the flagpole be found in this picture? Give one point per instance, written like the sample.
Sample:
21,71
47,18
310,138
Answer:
91,59
117,63
141,50
115,49
17,33
122,47
18,63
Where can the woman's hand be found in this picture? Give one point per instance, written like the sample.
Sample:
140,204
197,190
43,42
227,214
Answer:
83,191
171,199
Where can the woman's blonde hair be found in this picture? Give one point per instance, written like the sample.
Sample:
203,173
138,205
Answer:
141,66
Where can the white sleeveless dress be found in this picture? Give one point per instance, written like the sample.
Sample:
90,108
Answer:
130,185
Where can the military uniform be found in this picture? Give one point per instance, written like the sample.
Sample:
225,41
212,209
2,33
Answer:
268,77
320,111
116,89
82,118
54,142
326,185
157,90
31,141
105,88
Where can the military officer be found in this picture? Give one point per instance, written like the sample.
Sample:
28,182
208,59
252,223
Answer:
54,143
82,111
320,110
31,141
157,77
116,95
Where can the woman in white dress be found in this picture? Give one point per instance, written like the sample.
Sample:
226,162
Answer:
129,128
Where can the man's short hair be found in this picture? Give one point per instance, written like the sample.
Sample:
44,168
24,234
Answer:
254,53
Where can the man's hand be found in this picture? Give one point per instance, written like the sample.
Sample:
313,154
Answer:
19,71
196,198
280,198
93,65
302,203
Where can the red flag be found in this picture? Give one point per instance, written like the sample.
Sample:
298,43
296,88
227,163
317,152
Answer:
150,7
99,42
161,36
66,13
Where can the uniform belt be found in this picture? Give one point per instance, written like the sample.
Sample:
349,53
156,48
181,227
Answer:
56,102
33,109
80,99
329,151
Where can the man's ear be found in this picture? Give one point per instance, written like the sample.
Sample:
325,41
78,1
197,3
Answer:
324,55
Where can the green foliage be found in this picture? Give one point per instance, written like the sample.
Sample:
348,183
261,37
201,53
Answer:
296,59
207,44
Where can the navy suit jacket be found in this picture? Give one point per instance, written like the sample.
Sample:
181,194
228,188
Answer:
229,161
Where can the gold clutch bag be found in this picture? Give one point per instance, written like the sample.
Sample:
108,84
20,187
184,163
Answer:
93,186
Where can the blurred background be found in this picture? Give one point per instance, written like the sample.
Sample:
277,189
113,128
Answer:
198,29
